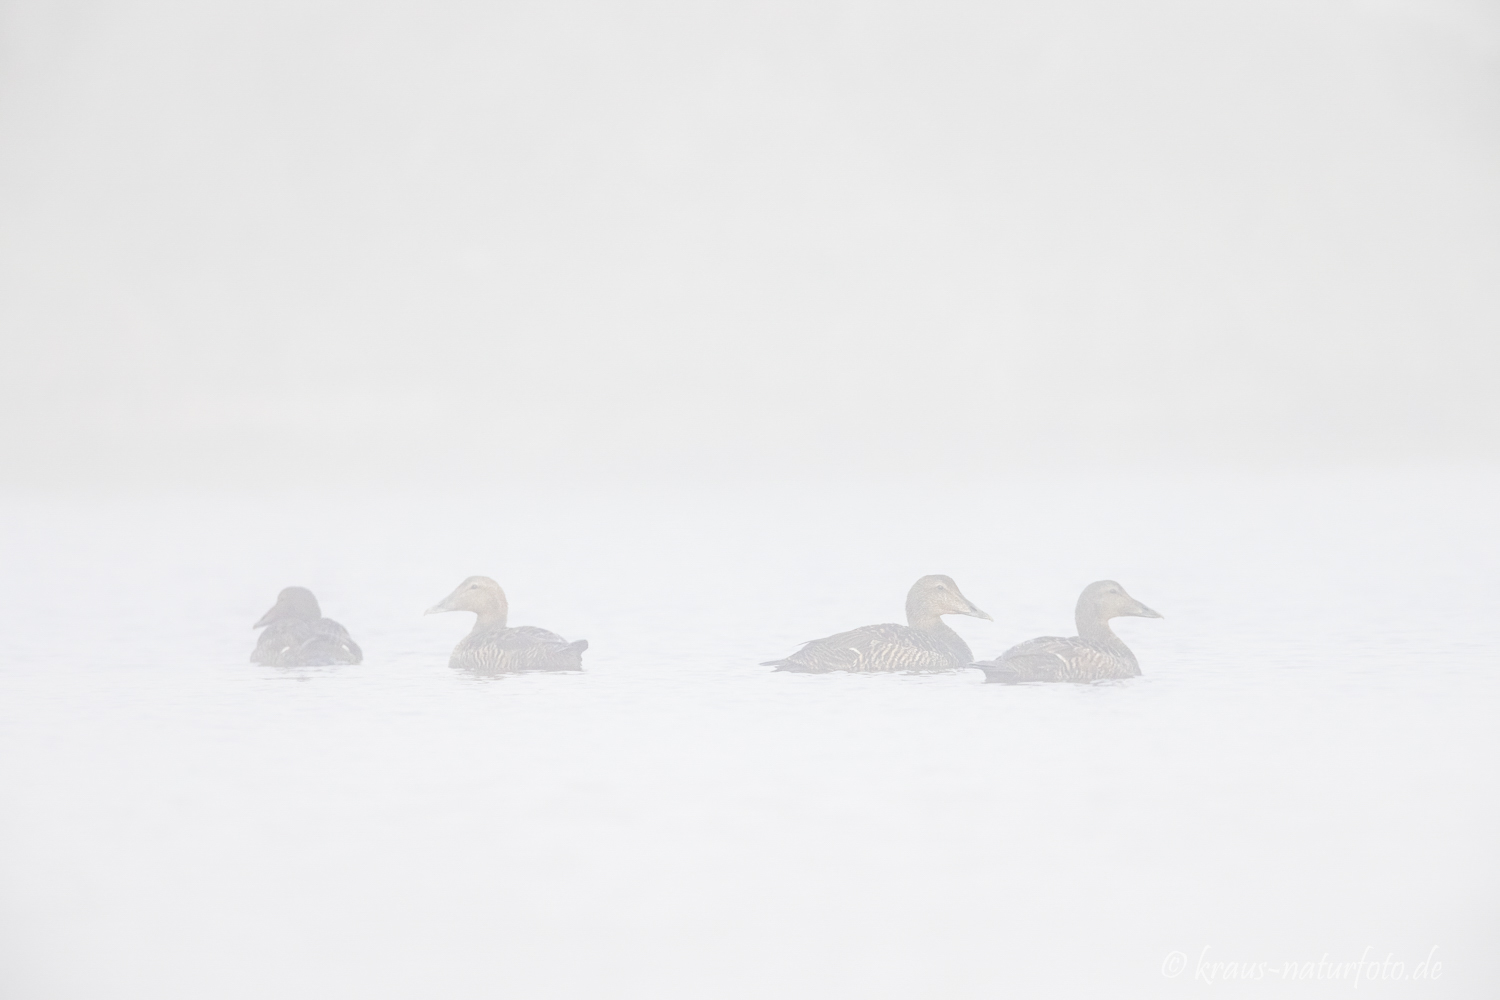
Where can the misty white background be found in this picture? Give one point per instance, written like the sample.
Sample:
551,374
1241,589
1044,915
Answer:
377,240
707,329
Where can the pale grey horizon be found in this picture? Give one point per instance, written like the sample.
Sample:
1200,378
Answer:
292,243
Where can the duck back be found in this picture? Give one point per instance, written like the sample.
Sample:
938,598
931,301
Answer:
1053,658
299,642
880,649
499,649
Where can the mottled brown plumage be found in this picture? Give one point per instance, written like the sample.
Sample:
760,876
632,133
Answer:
925,643
493,647
297,635
1095,654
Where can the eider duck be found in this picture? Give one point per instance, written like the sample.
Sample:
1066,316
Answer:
297,635
492,647
1094,654
923,643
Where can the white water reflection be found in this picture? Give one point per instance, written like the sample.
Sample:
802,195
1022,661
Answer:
1306,765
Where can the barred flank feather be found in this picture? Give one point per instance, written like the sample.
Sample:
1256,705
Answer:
880,649
1051,658
505,650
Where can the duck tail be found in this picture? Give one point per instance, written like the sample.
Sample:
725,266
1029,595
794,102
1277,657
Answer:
791,666
996,672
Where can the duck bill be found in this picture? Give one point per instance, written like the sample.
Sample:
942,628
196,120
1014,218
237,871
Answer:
267,618
974,612
1141,611
446,604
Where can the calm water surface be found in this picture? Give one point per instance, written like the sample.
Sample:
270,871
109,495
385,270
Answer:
1306,772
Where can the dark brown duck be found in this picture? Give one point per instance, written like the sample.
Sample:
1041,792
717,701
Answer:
297,635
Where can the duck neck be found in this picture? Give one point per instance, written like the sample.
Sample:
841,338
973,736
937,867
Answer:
935,626
490,618
925,620
1095,629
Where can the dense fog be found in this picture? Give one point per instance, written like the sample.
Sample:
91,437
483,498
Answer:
770,405
260,240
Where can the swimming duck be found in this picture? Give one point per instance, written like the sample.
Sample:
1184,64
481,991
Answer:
1094,654
923,643
492,647
297,635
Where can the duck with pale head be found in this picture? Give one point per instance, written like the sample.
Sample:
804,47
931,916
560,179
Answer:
924,643
492,646
1094,654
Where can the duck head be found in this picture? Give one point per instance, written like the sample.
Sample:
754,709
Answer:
934,596
480,595
1106,599
293,602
